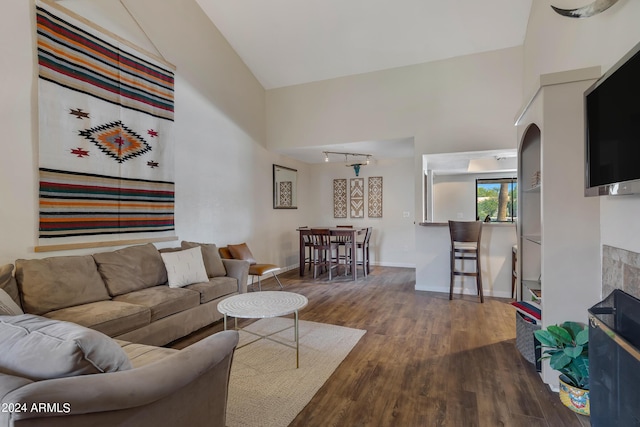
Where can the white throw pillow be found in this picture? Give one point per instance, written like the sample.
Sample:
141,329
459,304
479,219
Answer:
8,306
185,267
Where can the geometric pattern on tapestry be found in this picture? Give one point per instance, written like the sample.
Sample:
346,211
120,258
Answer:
75,204
375,197
84,59
356,195
286,193
105,115
116,141
339,198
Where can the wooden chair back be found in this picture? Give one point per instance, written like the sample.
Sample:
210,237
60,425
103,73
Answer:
321,237
465,232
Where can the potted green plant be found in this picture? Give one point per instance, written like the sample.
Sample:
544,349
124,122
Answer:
567,348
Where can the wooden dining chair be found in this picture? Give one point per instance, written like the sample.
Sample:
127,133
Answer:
342,244
325,251
465,246
361,256
307,241
362,249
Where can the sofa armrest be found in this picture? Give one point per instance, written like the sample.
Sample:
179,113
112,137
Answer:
238,269
154,388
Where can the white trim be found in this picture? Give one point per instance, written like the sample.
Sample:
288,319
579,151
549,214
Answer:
469,291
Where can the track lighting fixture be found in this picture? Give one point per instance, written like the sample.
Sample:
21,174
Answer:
356,165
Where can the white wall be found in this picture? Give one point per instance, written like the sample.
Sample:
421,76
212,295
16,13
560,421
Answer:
454,196
555,43
392,240
222,168
460,104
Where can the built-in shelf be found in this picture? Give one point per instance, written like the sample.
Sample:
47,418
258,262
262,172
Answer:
558,108
535,238
534,288
534,189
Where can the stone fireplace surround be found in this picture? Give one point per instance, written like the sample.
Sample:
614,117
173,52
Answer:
614,367
620,270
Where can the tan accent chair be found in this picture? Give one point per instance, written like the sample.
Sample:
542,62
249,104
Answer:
242,251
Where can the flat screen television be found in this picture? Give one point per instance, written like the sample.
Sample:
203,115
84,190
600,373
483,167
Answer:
612,116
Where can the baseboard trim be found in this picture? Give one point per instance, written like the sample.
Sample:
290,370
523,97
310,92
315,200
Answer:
445,290
380,264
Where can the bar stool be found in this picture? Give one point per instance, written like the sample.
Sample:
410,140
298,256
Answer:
465,245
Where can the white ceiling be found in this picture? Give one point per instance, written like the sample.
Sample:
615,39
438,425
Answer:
289,42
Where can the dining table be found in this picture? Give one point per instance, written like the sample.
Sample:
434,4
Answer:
346,234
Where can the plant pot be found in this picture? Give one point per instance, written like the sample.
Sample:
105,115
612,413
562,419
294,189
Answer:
575,398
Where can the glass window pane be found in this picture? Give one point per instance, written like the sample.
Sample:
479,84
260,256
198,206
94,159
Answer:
496,199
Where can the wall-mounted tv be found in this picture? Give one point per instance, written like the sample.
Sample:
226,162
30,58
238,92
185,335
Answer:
612,116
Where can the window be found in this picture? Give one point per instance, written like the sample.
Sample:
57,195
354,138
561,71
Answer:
496,199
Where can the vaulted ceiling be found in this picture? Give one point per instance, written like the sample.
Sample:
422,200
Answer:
289,42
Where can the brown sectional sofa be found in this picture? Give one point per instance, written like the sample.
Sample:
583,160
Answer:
124,293
147,387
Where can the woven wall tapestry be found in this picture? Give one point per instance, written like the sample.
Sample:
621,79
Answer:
357,197
375,197
105,122
340,198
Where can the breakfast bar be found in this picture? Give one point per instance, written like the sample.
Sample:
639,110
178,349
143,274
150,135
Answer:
432,260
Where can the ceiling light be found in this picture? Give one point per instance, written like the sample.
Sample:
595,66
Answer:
355,166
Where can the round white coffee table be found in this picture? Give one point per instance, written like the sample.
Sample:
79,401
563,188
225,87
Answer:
260,305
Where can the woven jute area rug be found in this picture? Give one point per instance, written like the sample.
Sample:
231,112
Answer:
266,389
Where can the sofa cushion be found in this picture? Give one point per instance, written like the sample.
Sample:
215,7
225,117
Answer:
38,348
8,306
131,269
216,287
112,318
8,283
212,260
185,267
140,354
163,301
242,251
58,282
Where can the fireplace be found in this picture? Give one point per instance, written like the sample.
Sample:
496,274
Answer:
614,360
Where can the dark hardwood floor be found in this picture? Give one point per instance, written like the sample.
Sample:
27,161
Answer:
424,361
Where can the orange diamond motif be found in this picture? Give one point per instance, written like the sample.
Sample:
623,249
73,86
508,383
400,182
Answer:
117,141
